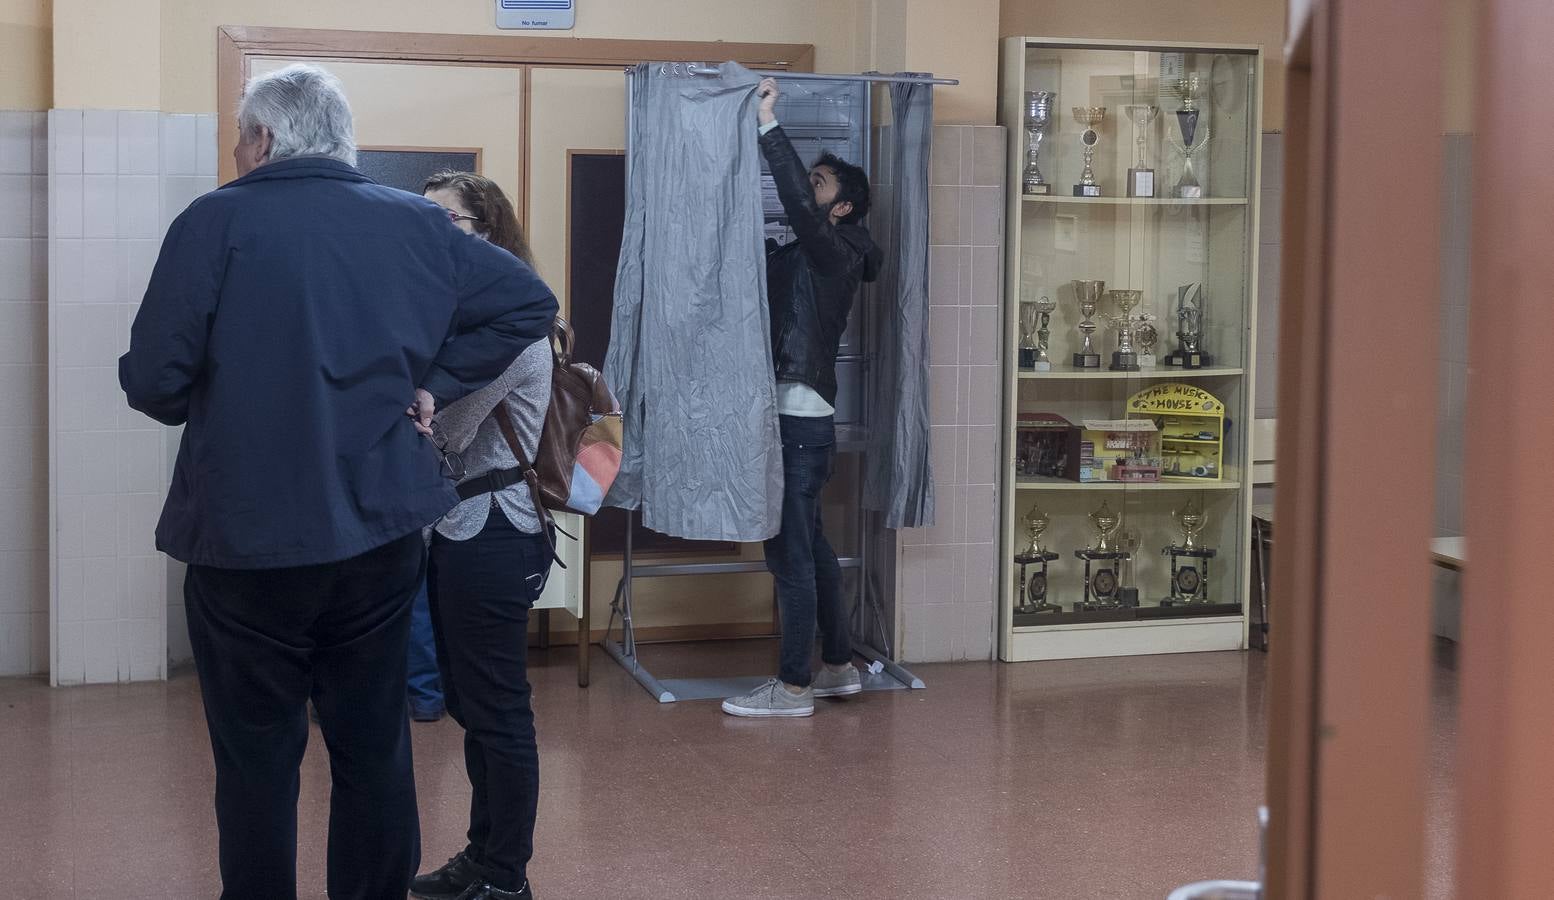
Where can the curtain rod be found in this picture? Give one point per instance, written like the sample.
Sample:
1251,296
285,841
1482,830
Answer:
874,77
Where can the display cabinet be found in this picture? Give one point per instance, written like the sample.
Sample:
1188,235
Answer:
1129,325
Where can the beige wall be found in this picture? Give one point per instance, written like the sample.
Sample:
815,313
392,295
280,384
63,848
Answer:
1200,21
105,54
188,47
26,38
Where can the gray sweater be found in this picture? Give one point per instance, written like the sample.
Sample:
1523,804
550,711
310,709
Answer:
473,432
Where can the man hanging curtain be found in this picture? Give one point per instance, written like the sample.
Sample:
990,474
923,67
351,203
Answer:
690,352
899,478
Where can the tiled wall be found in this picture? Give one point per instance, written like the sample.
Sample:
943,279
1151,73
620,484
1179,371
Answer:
947,587
1269,258
115,180
24,592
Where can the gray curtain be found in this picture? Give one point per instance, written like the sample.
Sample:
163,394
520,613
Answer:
899,477
690,348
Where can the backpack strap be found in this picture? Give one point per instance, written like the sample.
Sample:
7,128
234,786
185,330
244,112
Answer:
548,526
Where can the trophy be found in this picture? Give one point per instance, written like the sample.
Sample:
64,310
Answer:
1034,334
1141,178
1189,329
1088,293
1189,89
1090,117
1128,594
1032,598
1147,336
1125,358
1038,116
1103,590
1189,583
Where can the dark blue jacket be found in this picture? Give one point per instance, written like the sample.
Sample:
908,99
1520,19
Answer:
289,320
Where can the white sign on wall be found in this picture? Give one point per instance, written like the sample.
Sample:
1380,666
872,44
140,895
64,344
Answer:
554,14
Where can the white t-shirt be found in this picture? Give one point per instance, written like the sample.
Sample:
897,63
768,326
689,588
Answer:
802,401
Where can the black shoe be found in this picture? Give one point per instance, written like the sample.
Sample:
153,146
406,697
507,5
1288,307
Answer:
449,882
484,891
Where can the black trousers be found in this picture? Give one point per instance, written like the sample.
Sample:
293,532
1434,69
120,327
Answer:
808,576
481,591
264,641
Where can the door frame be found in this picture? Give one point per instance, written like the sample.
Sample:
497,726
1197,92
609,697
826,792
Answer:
1349,684
238,45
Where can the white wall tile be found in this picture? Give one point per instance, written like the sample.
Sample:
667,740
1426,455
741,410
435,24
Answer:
140,461
70,664
71,531
101,476
40,206
103,398
39,654
70,387
179,191
40,142
69,281
180,155
23,462
205,146
102,520
23,334
140,207
100,587
99,272
100,142
102,335
15,206
65,138
102,652
40,270
16,582
138,514
67,206
142,586
139,143
16,269
178,648
15,637
143,645
16,142
100,206
19,528
71,605
136,260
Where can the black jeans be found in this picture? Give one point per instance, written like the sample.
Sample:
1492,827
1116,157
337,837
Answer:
481,592
265,640
809,580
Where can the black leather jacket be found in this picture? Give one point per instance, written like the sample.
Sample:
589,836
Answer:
811,281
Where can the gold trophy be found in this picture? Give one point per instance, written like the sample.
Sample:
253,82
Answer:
1189,582
1032,598
1103,589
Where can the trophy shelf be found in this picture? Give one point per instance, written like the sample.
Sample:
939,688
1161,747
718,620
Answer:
1136,201
1107,375
1090,123
1231,481
1044,642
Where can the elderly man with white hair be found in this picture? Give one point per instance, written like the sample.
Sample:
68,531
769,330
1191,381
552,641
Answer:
292,317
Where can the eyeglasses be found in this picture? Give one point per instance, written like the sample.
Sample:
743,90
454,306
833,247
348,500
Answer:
456,217
452,462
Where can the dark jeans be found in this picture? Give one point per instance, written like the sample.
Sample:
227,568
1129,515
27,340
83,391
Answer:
809,581
265,640
481,593
425,683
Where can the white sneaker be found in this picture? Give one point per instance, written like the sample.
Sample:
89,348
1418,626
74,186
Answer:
837,684
771,700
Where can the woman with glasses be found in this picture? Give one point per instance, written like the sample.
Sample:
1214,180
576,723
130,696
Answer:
488,564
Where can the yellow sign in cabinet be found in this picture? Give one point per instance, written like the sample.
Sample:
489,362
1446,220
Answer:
1192,429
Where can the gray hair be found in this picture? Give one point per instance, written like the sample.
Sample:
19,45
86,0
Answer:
304,108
